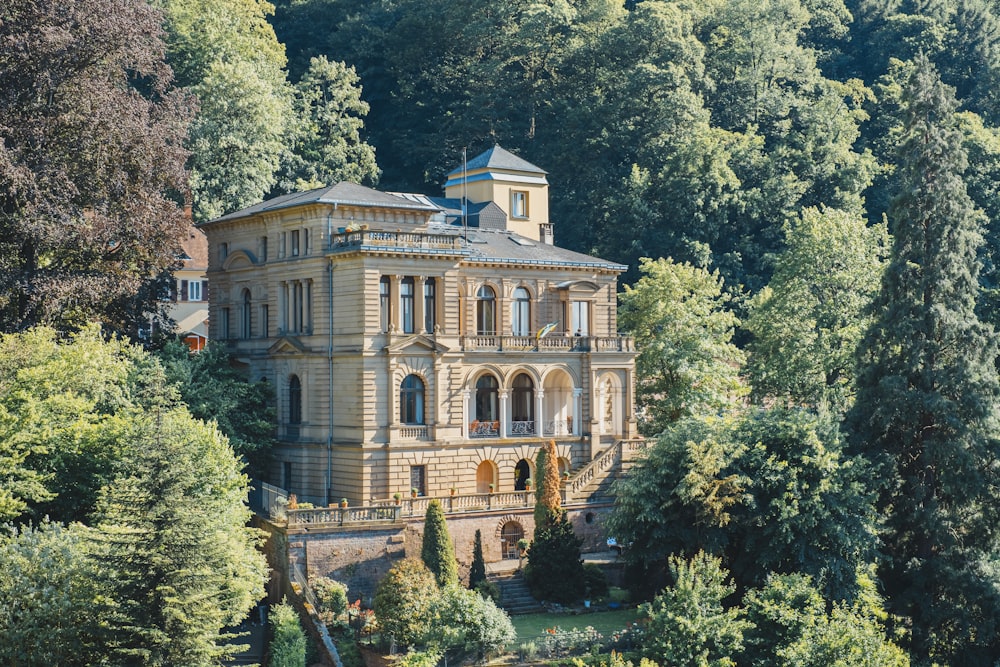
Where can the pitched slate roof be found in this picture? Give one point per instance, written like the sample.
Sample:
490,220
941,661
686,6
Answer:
343,192
508,247
497,158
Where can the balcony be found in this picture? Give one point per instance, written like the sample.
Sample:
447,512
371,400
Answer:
408,242
498,343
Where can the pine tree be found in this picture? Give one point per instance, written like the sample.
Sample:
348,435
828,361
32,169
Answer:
477,573
927,394
437,551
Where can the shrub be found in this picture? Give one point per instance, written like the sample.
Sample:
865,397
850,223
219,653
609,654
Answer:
595,581
469,624
288,647
331,596
489,591
403,599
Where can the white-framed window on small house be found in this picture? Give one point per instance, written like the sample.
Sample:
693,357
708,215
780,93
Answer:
518,204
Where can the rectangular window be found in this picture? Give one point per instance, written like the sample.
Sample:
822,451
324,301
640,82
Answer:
518,204
286,475
406,288
418,479
223,252
193,290
263,248
264,321
580,318
204,290
295,243
224,323
429,315
305,241
383,304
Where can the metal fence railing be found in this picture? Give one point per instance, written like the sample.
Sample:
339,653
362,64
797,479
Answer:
268,500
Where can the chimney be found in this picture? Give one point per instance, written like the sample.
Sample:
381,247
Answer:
545,234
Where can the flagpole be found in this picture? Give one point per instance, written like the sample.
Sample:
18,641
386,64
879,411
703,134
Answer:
465,204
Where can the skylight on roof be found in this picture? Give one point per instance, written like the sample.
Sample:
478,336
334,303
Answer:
521,241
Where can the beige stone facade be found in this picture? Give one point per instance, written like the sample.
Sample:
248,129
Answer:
402,336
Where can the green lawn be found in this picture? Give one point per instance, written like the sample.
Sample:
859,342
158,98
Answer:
530,626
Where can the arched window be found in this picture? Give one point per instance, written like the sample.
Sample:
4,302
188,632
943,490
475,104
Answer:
522,406
487,389
486,320
294,405
245,317
429,297
406,304
520,313
384,312
411,400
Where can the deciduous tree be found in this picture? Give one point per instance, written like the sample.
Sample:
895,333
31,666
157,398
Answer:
807,323
687,363
689,623
91,163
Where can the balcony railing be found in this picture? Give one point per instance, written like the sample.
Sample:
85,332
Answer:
522,428
498,343
484,429
409,241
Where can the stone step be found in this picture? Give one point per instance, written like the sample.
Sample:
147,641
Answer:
515,597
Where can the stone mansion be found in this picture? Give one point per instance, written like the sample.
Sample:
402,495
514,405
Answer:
418,342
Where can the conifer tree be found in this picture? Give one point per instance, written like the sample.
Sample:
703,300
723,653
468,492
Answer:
437,551
927,394
547,497
477,573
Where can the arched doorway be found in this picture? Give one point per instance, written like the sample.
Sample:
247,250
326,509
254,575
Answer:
522,473
511,533
486,474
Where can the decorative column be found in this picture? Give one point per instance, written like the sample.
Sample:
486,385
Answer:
577,410
465,414
418,305
539,417
504,413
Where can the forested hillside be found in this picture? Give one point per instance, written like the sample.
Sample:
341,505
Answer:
702,128
805,192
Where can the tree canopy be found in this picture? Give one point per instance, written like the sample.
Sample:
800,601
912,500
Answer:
91,164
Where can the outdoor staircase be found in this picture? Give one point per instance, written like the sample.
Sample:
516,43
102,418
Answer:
515,598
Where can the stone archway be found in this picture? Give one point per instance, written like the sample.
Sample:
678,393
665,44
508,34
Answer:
511,533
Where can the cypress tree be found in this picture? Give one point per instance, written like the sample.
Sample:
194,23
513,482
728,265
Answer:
437,551
547,497
477,573
927,393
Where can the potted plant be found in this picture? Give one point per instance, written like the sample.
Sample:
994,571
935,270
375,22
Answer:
397,497
343,503
293,502
413,492
492,486
527,484
453,490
